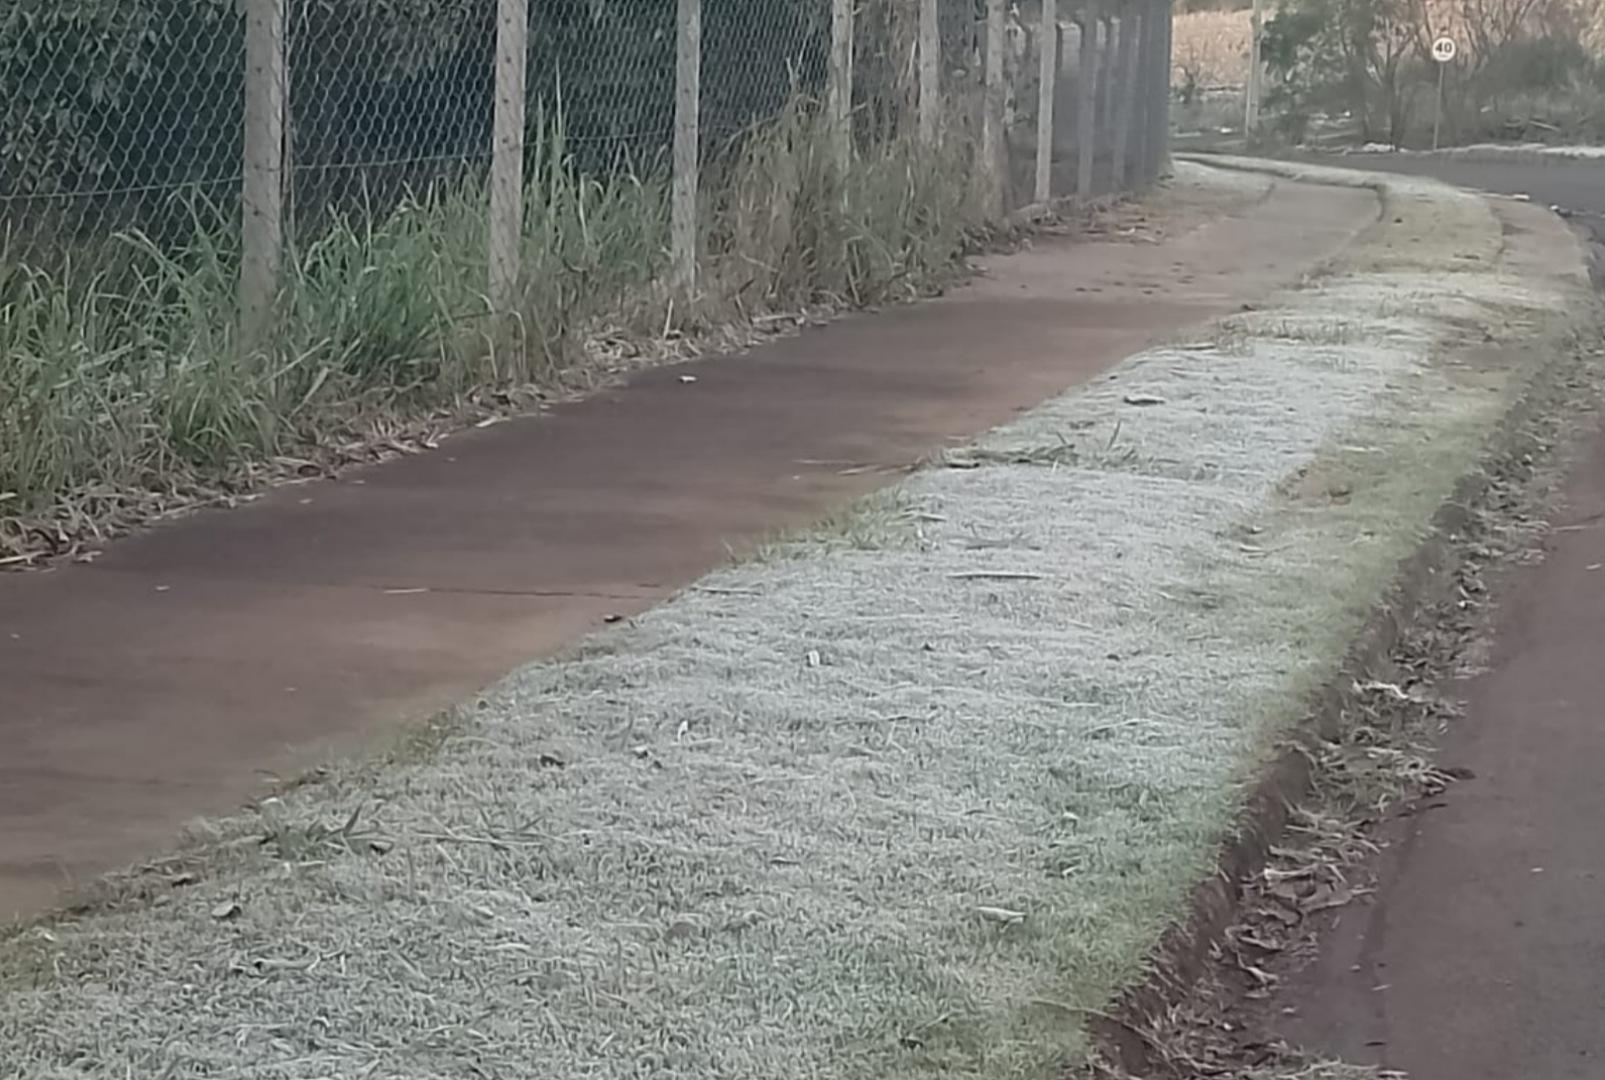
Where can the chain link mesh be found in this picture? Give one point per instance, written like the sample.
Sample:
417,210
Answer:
120,114
115,115
383,97
389,97
210,261
755,55
602,74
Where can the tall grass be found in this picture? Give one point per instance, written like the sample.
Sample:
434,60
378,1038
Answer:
120,372
790,230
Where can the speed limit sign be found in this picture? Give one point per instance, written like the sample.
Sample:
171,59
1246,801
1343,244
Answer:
1443,51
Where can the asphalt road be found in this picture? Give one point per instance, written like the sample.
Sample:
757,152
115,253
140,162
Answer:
1576,187
1482,956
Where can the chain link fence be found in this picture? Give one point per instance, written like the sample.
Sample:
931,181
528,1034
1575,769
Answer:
1088,103
232,230
381,99
107,111
128,115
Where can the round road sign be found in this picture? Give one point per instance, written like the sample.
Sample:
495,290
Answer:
1444,49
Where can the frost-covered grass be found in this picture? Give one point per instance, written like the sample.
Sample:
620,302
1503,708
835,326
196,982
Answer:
904,799
1525,149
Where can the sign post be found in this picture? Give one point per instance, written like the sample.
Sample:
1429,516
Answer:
1443,52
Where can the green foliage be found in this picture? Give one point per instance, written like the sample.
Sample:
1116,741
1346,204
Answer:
119,369
1345,56
1522,71
790,232
1538,65
120,372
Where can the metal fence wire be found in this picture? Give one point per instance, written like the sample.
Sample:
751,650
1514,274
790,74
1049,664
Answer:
133,115
383,97
107,109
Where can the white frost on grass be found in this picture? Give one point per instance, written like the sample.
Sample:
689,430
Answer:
1578,153
846,811
1191,174
1527,149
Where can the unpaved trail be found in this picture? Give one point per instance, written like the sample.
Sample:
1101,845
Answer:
1482,956
157,684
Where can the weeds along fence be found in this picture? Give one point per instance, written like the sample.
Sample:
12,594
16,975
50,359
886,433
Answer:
238,229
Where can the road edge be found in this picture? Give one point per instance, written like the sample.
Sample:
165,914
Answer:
1423,581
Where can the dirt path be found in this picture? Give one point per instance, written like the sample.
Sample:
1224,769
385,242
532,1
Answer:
159,682
1483,955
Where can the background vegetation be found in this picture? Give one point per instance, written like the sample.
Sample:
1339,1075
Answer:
1525,68
1361,70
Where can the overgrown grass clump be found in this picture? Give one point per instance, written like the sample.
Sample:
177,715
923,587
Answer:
124,387
788,231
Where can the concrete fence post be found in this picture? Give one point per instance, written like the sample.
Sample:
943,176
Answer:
839,89
262,187
1048,73
930,64
687,141
1148,76
992,148
1106,72
507,156
1086,102
1126,97
1157,125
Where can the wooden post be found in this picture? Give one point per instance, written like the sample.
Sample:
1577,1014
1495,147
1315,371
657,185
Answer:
1086,103
840,88
687,99
507,156
1048,46
1125,92
992,151
930,58
262,192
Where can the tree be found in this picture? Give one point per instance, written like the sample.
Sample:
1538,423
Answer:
1364,58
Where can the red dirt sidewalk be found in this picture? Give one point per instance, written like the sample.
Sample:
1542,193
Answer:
162,681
